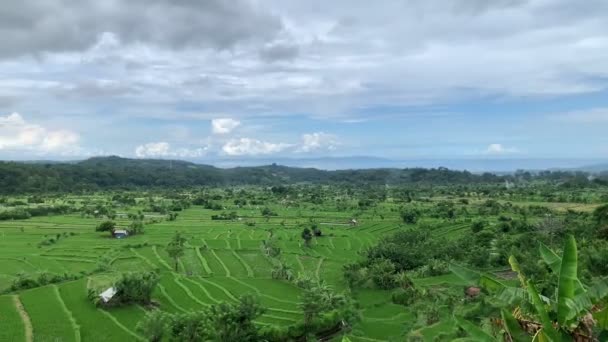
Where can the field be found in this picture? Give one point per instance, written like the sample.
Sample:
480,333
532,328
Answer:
222,261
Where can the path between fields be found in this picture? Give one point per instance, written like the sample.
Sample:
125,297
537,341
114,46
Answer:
27,323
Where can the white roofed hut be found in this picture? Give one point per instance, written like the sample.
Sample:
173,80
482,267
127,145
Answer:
107,295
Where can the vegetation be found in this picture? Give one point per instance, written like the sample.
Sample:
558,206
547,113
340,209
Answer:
434,254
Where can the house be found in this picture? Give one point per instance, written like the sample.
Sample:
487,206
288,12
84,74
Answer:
107,295
120,233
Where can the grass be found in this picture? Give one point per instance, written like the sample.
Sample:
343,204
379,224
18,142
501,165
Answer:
11,325
50,321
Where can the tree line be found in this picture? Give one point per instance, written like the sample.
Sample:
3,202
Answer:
101,173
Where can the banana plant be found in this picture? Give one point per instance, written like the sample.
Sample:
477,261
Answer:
554,319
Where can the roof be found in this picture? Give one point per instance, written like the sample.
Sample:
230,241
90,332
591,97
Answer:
107,294
121,231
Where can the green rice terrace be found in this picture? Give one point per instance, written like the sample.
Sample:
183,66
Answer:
403,265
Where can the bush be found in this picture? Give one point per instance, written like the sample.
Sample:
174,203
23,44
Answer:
404,296
135,287
410,216
105,226
477,226
382,274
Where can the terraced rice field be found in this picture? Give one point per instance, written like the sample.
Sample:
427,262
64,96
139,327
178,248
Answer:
222,261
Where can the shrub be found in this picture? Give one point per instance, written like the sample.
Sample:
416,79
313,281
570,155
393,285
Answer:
105,226
477,226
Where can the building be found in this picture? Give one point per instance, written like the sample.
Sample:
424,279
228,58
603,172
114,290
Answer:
107,295
120,233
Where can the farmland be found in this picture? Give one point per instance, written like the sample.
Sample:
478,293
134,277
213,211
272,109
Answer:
224,258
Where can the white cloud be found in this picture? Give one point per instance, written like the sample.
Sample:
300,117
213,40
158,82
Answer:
18,134
497,149
318,141
157,149
224,125
163,149
248,146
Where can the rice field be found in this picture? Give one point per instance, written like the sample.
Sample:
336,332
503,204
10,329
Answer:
223,260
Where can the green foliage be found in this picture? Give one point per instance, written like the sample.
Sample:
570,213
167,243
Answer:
382,273
306,236
135,287
558,316
105,226
176,248
25,281
410,216
478,226
220,322
136,227
154,325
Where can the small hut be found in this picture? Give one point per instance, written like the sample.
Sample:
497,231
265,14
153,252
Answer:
120,233
107,295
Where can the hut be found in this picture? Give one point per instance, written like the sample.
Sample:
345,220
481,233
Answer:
107,295
120,233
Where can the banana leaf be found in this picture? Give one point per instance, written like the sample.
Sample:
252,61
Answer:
555,263
567,282
550,258
599,290
541,310
515,267
513,328
475,278
601,318
475,332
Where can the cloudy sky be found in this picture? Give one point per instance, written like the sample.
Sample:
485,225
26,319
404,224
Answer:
211,79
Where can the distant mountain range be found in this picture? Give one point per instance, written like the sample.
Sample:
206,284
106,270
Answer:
477,165
496,165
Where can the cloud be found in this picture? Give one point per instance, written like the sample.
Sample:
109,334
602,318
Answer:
163,149
589,116
38,27
251,147
224,125
16,134
499,149
317,141
279,52
94,88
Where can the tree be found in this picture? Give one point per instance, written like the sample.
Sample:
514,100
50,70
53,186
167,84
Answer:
316,230
317,298
135,287
176,249
282,271
409,216
232,322
136,227
382,273
154,325
307,236
105,226
477,226
224,322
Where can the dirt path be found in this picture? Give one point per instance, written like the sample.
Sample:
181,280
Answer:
29,331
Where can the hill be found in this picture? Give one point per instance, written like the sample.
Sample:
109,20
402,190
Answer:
121,173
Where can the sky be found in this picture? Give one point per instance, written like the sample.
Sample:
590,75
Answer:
211,80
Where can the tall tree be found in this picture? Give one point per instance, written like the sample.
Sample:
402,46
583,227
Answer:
307,236
176,248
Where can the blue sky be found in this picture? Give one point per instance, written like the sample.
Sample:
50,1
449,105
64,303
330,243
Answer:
465,79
